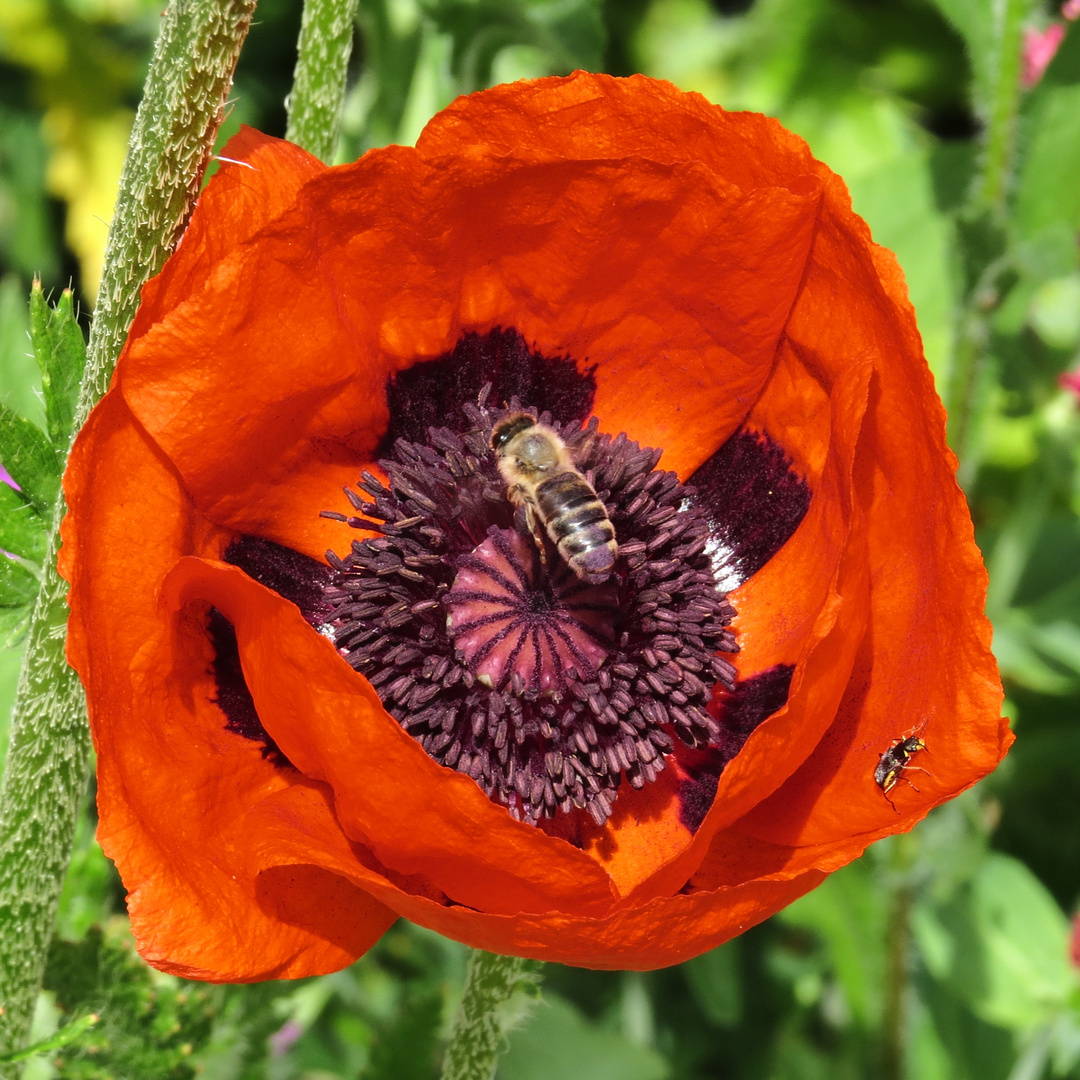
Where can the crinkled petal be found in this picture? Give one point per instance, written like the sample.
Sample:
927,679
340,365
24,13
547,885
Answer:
174,786
416,815
673,283
926,666
664,931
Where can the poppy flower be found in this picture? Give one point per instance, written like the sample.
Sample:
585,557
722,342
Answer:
341,668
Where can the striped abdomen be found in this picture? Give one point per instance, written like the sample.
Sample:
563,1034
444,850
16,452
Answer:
578,524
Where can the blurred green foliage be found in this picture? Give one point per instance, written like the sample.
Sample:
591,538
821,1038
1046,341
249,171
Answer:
942,953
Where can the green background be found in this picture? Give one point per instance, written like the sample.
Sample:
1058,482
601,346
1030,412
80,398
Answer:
941,954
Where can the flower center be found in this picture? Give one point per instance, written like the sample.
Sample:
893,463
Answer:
496,655
519,626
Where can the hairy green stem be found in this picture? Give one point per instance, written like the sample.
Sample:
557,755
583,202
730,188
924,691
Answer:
1002,108
897,943
962,394
996,44
483,1019
969,389
49,750
322,62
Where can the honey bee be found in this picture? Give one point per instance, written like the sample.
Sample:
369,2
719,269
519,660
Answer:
892,764
541,476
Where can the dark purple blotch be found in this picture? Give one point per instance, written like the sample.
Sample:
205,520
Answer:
293,576
752,701
432,393
233,695
296,577
754,499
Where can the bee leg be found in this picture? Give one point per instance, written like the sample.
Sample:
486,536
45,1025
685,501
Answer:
532,523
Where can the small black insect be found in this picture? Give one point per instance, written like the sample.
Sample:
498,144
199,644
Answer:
893,763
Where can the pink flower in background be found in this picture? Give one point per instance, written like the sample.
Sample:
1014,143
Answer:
1040,47
282,1040
1071,9
1074,941
1070,380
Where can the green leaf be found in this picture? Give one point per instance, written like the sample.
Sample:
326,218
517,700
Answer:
18,586
1048,195
1048,192
976,22
393,38
1009,952
23,531
27,454
1019,659
849,914
149,1024
565,34
897,199
973,1049
716,984
64,1037
406,1047
60,351
27,236
559,1042
14,623
20,387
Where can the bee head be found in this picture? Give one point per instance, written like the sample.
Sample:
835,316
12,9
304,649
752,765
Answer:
508,429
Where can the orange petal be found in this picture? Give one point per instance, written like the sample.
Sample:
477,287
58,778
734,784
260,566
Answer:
927,666
417,816
675,284
173,785
664,931
259,179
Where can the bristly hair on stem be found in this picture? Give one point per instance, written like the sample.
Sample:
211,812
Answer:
45,778
483,1020
322,63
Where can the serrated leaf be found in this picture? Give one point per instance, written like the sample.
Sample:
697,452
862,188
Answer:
18,587
60,351
19,380
148,1026
23,531
27,454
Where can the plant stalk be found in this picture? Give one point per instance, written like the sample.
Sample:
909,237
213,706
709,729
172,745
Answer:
1002,110
897,945
483,1020
322,63
49,750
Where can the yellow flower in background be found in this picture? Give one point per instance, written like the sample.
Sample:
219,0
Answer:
84,170
83,80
